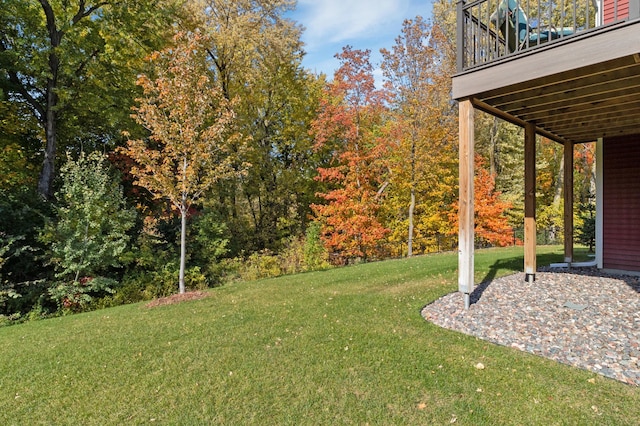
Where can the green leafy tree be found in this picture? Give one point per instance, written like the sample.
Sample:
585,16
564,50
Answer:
23,214
7,290
72,64
90,234
210,238
586,234
255,55
192,143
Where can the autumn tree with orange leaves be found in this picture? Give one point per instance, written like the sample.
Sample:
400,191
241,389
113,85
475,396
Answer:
191,144
349,125
491,224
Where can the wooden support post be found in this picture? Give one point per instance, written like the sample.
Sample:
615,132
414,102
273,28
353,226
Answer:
568,202
530,202
466,231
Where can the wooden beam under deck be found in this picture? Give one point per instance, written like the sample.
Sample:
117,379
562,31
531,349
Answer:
601,120
571,97
567,83
578,107
514,120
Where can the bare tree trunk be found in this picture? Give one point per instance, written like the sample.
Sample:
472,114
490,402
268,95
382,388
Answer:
45,181
557,195
412,206
592,181
183,249
493,148
183,229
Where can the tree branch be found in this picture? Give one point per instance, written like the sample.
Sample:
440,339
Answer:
23,90
54,34
83,13
32,101
382,188
84,63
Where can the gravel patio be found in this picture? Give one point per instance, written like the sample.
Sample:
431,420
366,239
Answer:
581,317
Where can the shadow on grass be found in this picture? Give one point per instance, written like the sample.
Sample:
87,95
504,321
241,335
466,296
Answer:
512,264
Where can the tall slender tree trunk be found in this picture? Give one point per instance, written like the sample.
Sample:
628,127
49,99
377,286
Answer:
493,148
559,187
412,204
557,197
183,249
183,227
45,181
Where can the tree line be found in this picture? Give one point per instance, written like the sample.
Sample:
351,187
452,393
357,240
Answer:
151,147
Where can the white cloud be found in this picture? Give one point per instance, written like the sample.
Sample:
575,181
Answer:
363,24
335,21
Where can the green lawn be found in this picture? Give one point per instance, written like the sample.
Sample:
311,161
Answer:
344,346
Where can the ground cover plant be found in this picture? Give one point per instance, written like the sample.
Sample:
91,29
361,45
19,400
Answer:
342,346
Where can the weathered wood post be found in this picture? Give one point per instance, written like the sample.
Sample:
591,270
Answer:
530,202
466,232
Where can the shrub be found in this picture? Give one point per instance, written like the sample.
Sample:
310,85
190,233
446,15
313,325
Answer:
90,233
316,256
208,242
292,258
299,255
150,285
263,264
76,296
130,291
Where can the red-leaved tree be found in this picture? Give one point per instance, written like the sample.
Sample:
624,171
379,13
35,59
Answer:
349,125
492,226
491,223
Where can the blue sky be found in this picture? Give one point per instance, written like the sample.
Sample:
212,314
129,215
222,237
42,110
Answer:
362,24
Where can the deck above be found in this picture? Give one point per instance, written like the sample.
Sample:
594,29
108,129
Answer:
576,89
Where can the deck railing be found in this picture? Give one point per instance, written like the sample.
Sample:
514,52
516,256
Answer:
492,29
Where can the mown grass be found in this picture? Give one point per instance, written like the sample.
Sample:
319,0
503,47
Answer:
345,346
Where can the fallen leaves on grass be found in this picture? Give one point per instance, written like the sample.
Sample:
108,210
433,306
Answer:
177,298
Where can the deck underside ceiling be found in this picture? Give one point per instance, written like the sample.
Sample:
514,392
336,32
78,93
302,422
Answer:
578,104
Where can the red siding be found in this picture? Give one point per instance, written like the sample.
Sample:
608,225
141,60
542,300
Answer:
621,203
610,14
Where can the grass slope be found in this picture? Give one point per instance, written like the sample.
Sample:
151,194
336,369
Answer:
345,346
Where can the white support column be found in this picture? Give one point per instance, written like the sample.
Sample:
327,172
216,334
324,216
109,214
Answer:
599,201
466,232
